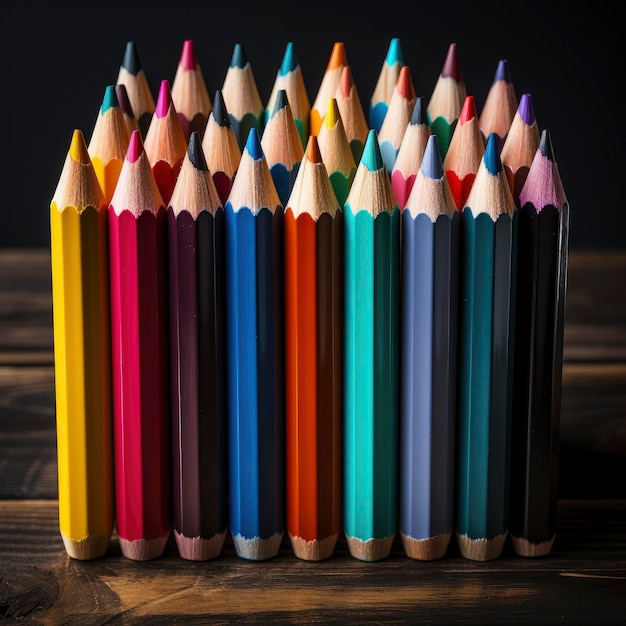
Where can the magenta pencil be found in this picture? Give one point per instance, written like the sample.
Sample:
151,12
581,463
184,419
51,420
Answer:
137,246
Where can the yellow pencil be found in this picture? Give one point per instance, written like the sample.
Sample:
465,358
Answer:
82,356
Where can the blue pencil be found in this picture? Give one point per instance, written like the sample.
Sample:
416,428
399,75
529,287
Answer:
430,236
255,345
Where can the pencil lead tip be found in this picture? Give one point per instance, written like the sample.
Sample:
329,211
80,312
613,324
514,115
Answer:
78,148
503,72
405,83
135,147
122,98
431,165
164,99
491,156
346,81
371,157
332,113
545,145
312,152
394,53
253,145
468,112
188,57
419,112
219,112
526,110
131,61
281,101
338,56
239,58
451,66
110,99
195,152
290,61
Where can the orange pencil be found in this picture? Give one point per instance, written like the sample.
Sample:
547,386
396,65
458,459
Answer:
328,86
313,353
165,143
189,93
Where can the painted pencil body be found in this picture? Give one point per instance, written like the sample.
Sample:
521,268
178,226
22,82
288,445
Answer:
336,152
241,96
541,285
255,335
371,331
139,334
430,231
282,147
132,75
385,84
488,234
109,142
82,356
189,93
313,360
197,313
220,147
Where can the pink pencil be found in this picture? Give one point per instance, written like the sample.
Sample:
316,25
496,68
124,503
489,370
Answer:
137,244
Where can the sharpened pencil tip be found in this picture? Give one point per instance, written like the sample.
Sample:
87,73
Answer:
346,81
253,145
468,112
491,158
110,99
131,61
281,101
431,161
503,71
195,152
545,145
332,113
371,157
405,83
78,148
419,112
394,53
164,99
338,56
188,58
122,98
451,65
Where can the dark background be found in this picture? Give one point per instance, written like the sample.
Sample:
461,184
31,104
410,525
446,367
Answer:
60,59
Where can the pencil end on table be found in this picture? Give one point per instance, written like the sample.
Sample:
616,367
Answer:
316,550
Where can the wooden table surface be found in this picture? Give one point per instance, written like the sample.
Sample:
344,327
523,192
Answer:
582,581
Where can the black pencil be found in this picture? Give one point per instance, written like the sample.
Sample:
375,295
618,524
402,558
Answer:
541,285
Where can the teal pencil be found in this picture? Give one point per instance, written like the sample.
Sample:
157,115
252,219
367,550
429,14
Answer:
486,334
371,358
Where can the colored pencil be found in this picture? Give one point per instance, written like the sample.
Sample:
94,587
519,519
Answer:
486,336
500,105
328,86
464,153
541,289
220,147
255,333
290,78
189,93
165,143
446,100
385,84
397,118
411,152
109,142
371,358
352,115
336,152
132,75
313,360
197,313
521,145
139,337
241,96
127,109
282,146
82,356
429,294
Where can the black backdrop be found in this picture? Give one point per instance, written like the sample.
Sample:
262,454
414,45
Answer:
60,59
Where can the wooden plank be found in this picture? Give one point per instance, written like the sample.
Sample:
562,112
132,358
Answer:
583,579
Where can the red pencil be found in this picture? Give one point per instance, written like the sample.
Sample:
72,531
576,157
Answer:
139,335
165,143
